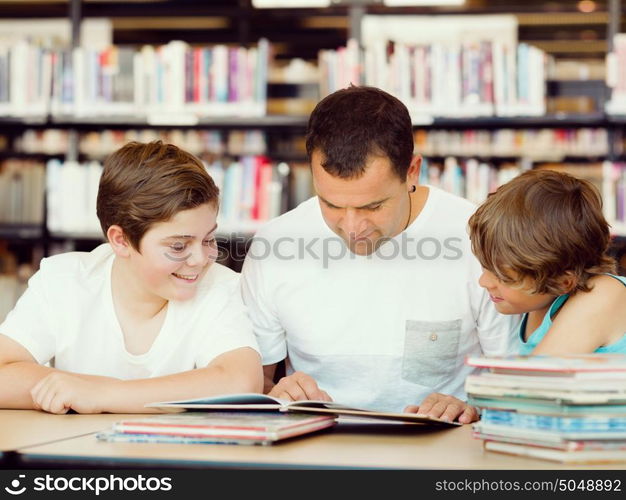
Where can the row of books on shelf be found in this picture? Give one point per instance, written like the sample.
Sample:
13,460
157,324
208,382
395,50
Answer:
536,144
464,79
13,279
22,186
616,76
168,83
614,194
251,192
474,180
11,288
254,189
180,83
98,144
569,409
469,178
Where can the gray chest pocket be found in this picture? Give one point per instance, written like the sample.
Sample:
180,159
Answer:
430,351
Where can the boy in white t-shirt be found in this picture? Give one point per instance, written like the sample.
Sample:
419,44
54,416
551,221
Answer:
147,316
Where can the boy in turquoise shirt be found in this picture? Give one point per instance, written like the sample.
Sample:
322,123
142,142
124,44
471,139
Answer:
542,241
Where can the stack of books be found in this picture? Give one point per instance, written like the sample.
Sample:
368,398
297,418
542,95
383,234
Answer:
569,409
222,427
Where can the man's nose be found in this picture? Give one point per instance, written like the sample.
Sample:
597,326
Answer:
353,223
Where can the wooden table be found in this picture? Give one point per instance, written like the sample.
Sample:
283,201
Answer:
24,428
340,447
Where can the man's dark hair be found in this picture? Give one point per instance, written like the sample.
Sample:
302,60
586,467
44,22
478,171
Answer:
353,123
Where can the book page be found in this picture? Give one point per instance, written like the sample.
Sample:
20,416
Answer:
249,400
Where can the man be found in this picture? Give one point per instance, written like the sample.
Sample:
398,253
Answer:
370,291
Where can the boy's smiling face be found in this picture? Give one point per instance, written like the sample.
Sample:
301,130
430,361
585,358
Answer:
177,253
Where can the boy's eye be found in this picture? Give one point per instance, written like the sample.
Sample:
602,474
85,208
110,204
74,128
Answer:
178,247
374,208
209,241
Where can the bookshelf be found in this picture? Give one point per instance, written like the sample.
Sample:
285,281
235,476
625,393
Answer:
296,36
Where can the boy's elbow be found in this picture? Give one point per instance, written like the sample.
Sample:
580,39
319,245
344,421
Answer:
6,363
245,374
242,379
256,381
252,377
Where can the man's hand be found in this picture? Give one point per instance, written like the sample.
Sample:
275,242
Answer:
61,392
445,407
298,386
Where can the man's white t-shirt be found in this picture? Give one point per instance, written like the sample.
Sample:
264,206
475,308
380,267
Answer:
379,331
66,316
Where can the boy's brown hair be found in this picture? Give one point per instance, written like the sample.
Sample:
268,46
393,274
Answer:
542,225
143,184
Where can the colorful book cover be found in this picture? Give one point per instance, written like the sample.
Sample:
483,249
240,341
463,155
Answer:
218,427
580,365
606,424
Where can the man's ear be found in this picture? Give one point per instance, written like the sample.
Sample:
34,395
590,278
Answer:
117,240
413,174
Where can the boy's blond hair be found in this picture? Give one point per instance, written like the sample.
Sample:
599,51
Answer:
143,184
542,225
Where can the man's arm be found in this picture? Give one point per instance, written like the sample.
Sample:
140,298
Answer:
269,371
295,387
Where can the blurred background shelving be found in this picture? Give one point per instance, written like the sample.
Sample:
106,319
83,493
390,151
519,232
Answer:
471,141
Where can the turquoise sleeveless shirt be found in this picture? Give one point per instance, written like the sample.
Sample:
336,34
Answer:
539,333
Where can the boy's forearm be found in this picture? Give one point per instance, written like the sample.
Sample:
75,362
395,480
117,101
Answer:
19,377
16,381
131,396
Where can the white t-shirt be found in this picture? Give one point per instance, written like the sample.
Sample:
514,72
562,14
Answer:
379,331
66,315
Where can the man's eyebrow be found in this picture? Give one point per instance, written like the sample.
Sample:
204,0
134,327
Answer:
327,202
373,203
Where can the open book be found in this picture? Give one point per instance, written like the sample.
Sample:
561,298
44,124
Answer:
244,402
